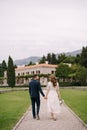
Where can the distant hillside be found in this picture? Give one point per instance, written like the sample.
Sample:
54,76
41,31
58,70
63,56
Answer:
26,61
34,59
73,53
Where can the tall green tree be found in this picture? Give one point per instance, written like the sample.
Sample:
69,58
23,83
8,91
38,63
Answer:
78,59
1,72
11,73
54,60
3,67
43,59
49,58
84,57
83,77
61,58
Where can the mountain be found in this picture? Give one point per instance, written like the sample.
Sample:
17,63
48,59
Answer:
26,61
35,59
73,53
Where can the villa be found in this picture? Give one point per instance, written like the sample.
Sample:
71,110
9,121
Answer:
24,73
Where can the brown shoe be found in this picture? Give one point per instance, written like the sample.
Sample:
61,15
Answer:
54,119
38,118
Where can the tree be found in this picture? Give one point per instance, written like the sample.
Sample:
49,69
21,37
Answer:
43,59
78,59
81,75
10,73
69,59
1,72
61,58
54,60
63,71
15,66
84,57
49,58
30,63
3,67
75,72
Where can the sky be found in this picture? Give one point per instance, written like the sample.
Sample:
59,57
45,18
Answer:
38,27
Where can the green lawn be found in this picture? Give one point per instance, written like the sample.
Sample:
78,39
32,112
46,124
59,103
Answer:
14,104
4,88
12,107
77,101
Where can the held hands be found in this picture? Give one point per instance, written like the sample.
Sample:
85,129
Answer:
45,97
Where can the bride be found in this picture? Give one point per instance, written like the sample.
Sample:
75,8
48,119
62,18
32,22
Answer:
53,96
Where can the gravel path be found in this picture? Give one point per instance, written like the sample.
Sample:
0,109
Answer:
66,120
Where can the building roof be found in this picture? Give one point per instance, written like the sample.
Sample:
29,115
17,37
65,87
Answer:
36,66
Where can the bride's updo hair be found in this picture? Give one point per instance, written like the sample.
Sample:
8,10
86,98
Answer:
53,80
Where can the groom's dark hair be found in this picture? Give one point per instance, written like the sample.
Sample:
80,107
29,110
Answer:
35,75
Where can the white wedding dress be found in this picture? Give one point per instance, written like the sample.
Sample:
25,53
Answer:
52,99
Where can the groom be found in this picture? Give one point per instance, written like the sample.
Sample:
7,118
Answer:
34,91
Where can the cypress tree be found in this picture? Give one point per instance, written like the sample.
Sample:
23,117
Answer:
43,59
10,73
84,57
53,60
49,58
4,67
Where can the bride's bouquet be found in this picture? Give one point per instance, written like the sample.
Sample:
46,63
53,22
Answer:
61,101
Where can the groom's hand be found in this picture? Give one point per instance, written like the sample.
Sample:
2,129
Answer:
45,97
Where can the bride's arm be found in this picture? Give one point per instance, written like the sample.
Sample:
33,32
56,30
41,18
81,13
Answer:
48,89
58,91
59,95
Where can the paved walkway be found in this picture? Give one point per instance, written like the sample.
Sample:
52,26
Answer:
66,120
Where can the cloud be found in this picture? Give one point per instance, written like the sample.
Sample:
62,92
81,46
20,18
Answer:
30,28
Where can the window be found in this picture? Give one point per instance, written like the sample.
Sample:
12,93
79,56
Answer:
52,72
38,72
27,73
22,73
32,72
18,74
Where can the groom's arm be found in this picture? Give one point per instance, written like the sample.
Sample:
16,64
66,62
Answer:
40,89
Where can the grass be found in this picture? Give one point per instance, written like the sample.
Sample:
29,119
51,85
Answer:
14,104
9,88
4,88
77,101
12,107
